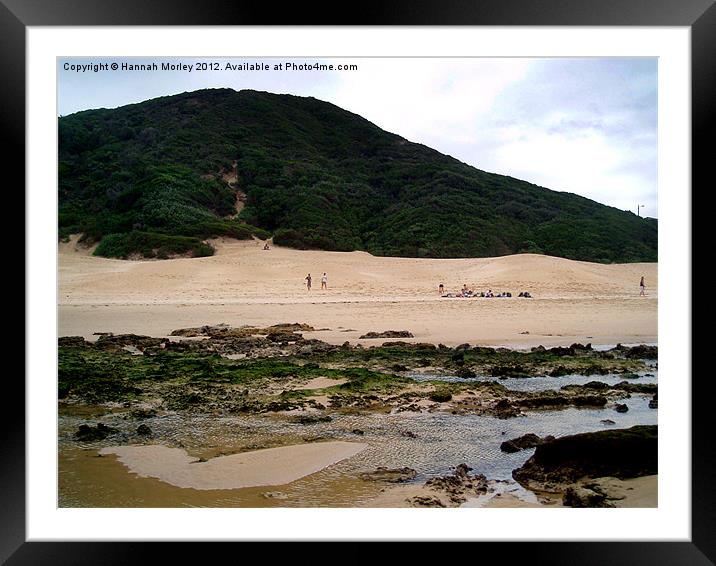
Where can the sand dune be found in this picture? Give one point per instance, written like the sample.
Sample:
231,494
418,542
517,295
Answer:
244,284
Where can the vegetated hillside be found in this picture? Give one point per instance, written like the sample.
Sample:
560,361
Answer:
158,177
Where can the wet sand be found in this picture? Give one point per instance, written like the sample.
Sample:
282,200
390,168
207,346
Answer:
268,467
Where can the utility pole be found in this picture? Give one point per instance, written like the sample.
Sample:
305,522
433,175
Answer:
639,206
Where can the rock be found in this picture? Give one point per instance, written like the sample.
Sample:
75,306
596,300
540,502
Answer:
117,342
509,447
141,414
654,403
88,433
621,408
396,475
313,419
509,371
201,331
465,373
144,430
285,338
642,352
408,434
460,484
621,453
422,501
72,341
398,367
274,495
440,396
388,334
559,371
589,401
636,387
528,440
358,431
560,351
577,496
598,385
545,400
607,421
411,407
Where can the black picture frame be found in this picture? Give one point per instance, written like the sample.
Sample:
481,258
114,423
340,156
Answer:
17,15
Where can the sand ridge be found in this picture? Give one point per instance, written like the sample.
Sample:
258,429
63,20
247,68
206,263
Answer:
242,271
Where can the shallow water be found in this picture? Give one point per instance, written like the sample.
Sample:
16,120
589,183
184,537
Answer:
542,383
443,441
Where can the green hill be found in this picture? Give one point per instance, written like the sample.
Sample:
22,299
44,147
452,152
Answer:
161,176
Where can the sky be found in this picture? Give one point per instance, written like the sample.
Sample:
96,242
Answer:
581,125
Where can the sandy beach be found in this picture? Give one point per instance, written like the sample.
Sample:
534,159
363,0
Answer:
242,284
245,285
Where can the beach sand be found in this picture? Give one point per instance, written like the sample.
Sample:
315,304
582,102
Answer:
267,467
242,284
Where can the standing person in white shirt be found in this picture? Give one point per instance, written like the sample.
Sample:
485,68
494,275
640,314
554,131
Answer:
324,281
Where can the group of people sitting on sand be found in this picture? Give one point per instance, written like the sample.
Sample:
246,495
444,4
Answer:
465,292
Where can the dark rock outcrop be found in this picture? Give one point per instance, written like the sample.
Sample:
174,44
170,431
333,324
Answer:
422,501
621,453
117,341
144,430
440,396
579,496
396,475
528,440
642,352
460,484
88,433
637,387
388,334
72,341
312,419
548,401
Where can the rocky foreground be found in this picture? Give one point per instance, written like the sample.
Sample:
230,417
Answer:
570,464
222,370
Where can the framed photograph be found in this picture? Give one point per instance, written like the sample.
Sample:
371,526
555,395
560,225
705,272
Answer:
393,281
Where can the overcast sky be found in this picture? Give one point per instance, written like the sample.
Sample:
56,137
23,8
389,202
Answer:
585,126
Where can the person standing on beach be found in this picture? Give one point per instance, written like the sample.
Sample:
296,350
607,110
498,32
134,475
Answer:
642,286
324,281
441,288
308,281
